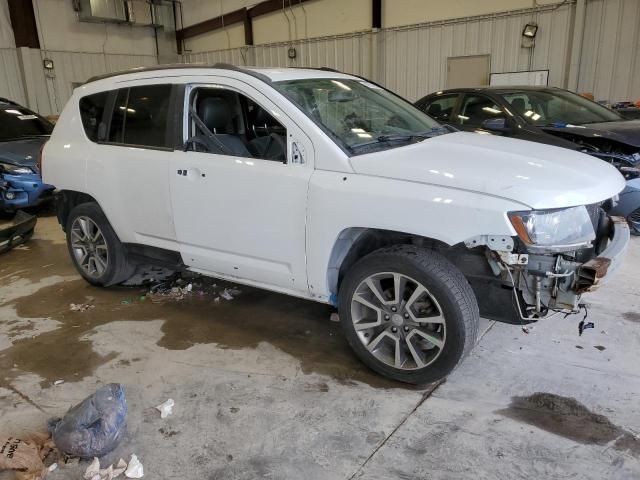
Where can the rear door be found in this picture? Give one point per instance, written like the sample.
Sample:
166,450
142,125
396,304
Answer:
129,161
243,215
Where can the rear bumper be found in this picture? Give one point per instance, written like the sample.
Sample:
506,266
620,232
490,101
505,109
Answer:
16,232
26,190
592,274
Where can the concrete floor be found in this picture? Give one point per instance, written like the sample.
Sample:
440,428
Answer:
265,385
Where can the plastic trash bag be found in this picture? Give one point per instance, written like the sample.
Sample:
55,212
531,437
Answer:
95,426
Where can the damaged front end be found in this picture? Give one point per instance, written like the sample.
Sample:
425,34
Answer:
556,257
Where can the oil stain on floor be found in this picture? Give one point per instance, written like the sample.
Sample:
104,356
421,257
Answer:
631,316
298,327
567,417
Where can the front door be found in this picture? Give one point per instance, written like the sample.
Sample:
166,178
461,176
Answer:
239,196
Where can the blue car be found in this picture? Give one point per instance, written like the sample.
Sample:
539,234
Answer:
22,135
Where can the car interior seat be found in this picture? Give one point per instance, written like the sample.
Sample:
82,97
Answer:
518,105
216,114
271,146
435,110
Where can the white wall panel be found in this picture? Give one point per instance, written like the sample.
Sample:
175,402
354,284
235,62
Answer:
610,62
415,58
78,67
412,60
6,31
10,77
351,53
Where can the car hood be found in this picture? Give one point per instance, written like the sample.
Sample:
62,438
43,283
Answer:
22,152
623,131
533,174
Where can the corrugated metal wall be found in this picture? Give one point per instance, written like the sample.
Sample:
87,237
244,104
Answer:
48,91
77,67
415,59
349,53
610,61
412,60
10,78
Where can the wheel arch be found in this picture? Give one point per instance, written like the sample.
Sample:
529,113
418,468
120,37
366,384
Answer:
66,200
354,243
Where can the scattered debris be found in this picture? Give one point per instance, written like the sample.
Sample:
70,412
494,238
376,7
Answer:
52,467
95,426
579,347
58,382
80,307
226,294
135,469
599,347
187,284
166,408
26,454
334,317
94,472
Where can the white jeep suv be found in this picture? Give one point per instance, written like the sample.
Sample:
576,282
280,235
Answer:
326,186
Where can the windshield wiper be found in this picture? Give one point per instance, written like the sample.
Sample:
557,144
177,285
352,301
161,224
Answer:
412,137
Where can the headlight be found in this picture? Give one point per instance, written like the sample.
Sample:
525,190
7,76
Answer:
14,169
564,228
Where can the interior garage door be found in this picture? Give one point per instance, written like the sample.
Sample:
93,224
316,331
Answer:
469,71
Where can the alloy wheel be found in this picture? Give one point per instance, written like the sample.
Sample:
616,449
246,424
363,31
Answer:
398,320
89,247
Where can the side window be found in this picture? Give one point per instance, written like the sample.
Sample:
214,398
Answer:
229,123
140,116
476,109
146,116
91,111
440,108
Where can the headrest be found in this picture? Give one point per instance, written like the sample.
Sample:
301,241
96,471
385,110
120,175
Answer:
518,105
214,112
262,117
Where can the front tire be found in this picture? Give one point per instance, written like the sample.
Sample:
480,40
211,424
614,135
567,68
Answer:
95,248
408,313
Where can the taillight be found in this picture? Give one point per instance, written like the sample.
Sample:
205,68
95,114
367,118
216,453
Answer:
39,161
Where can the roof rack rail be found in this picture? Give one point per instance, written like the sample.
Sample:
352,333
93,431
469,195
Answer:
180,66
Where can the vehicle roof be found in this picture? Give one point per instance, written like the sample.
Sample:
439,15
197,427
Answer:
266,74
498,89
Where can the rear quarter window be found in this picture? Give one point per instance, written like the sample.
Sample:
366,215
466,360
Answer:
91,112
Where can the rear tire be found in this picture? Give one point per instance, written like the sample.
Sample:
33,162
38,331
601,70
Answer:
408,313
94,247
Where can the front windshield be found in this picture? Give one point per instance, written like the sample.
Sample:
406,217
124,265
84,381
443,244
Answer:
549,108
17,123
360,116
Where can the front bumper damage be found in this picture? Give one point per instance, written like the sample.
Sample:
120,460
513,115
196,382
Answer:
546,282
592,274
17,231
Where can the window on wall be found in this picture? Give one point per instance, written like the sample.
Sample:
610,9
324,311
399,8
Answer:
91,112
140,116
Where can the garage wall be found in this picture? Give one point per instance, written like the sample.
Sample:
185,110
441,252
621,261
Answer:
348,53
412,60
10,78
610,61
415,58
6,33
59,29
